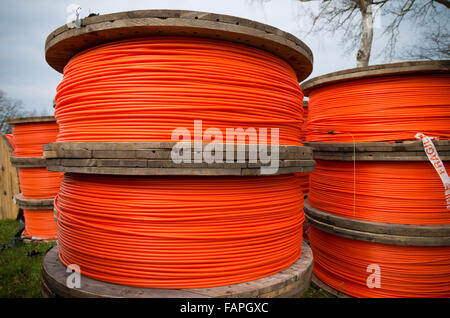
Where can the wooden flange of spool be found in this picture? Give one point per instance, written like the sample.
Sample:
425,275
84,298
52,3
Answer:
392,69
27,162
289,283
155,158
317,282
63,43
378,151
33,204
377,232
29,120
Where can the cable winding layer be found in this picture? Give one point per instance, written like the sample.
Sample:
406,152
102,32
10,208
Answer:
179,232
142,89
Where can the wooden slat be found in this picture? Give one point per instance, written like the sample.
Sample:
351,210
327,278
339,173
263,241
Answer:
9,182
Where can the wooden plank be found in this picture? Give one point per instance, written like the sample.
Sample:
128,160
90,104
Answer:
9,182
292,281
63,43
27,162
377,227
414,67
33,204
26,120
317,282
400,240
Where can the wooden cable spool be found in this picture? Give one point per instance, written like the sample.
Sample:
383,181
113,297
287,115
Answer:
376,152
289,283
145,159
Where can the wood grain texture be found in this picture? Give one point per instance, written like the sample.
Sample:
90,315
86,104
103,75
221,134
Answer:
26,120
63,43
9,181
358,232
154,158
391,69
378,151
33,204
291,282
27,162
317,282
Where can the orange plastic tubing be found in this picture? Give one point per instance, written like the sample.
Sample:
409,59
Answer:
29,138
39,183
404,271
10,139
391,192
142,89
179,232
380,109
40,224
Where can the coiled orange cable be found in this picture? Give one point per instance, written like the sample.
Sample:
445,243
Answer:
179,232
142,89
40,224
29,138
405,271
39,183
404,192
380,109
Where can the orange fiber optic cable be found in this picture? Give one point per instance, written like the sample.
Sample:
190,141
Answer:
30,138
388,108
40,224
179,232
404,271
39,183
142,89
389,192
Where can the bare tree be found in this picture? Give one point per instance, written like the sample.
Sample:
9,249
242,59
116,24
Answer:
9,108
355,19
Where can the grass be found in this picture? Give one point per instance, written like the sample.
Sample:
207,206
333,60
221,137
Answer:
20,267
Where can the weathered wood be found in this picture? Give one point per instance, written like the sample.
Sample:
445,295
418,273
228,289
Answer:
193,170
9,181
291,282
377,227
26,120
33,204
27,162
317,282
378,151
63,43
155,158
400,240
414,67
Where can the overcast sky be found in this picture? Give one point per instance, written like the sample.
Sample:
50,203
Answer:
24,26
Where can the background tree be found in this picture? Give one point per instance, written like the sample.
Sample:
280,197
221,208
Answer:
355,18
9,108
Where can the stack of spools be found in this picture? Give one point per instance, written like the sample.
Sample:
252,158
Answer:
38,185
377,202
140,223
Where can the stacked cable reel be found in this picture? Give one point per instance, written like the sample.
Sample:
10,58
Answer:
379,197
136,222
38,185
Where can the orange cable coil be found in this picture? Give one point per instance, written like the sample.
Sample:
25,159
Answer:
390,108
404,192
39,183
40,224
179,232
142,89
405,271
29,138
